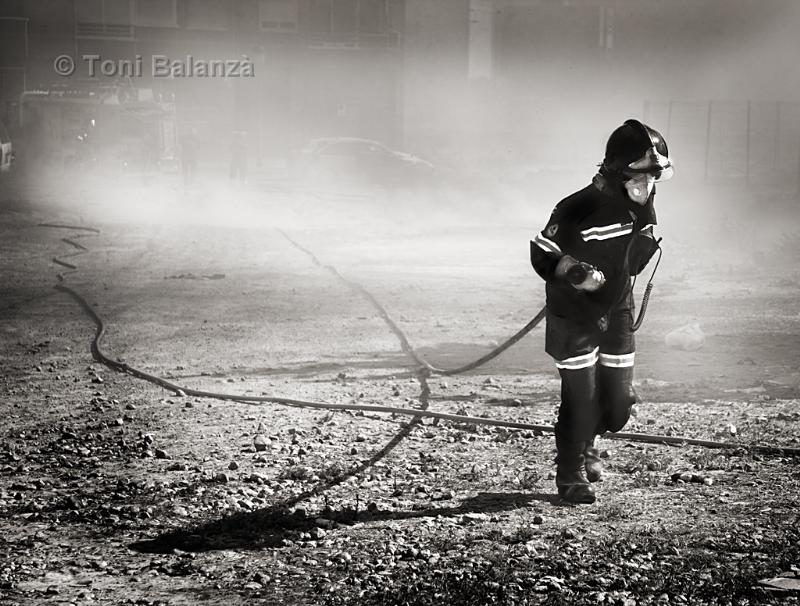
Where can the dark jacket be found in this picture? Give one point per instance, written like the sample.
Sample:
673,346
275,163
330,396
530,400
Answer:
601,226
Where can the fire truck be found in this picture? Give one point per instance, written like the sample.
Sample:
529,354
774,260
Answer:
108,127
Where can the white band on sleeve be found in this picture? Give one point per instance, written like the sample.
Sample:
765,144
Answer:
606,232
546,245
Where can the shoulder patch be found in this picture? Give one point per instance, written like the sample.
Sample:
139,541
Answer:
551,230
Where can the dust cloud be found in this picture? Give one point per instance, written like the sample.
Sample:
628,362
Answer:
485,112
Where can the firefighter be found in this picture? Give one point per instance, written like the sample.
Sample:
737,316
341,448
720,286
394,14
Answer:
595,241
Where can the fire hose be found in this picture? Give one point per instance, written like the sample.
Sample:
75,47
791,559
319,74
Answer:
101,356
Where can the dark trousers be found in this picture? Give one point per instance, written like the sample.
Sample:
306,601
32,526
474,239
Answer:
595,362
594,400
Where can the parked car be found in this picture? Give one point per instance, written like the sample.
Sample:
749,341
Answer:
349,159
6,149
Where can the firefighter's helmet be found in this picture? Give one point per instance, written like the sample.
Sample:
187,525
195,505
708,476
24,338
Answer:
634,149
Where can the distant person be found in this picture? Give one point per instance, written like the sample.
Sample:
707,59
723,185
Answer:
190,144
238,149
595,240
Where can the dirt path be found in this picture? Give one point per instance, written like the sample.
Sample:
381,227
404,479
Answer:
114,491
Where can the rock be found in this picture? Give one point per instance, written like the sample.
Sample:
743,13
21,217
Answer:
177,467
261,578
118,422
72,502
161,454
318,533
537,519
222,477
372,507
233,466
260,443
688,338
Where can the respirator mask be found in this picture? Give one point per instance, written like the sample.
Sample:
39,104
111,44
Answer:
644,173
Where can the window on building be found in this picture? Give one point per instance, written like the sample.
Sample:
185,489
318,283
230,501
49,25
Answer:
206,14
117,12
156,13
371,17
317,15
104,18
278,15
12,43
89,11
344,16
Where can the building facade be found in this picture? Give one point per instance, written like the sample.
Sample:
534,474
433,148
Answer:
442,78
306,68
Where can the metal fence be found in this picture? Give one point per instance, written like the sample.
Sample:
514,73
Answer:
755,142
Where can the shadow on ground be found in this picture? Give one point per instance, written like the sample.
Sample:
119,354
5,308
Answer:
269,527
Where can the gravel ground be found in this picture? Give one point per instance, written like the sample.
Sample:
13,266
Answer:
114,491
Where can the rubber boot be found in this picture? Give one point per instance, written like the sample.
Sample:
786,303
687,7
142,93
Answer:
592,463
573,487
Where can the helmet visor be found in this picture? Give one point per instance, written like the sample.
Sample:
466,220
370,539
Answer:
652,163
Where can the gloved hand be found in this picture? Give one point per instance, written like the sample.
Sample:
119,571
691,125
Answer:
581,275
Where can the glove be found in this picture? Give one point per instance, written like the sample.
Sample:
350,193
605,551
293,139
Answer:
589,278
581,275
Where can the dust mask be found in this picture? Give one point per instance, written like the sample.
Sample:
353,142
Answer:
639,187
